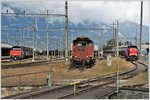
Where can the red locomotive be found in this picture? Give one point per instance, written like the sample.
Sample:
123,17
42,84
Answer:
82,52
132,53
20,52
129,53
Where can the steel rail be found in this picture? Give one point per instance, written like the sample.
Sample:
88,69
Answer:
135,89
24,74
146,67
30,64
47,90
81,91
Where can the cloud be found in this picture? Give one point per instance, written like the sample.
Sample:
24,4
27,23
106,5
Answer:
91,11
4,9
108,11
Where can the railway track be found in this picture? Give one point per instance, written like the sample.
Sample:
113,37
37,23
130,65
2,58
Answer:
86,89
29,64
135,89
130,93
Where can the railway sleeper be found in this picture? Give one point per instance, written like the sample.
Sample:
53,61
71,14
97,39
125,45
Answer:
83,85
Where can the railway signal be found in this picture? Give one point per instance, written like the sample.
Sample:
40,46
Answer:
49,79
109,60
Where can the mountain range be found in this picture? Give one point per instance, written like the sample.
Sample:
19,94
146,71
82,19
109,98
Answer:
127,31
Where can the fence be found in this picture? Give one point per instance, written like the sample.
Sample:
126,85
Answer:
28,79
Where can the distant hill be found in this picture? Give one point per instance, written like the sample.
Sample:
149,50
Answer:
129,29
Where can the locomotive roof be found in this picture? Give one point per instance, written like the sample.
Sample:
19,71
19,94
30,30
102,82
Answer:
16,46
20,47
82,38
133,46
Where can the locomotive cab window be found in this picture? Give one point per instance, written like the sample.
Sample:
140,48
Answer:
90,44
16,48
82,44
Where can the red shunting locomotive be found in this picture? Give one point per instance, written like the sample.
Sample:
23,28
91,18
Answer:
20,52
82,52
132,53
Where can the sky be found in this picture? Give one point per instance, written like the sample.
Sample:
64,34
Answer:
81,11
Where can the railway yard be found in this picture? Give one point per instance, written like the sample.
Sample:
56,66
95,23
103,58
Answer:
99,78
66,50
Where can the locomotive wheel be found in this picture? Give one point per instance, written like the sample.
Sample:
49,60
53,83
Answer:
71,65
83,65
15,58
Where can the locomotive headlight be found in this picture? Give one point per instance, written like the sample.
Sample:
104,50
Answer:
86,56
75,56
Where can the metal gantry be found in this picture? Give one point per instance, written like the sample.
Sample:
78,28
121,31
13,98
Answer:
24,14
47,15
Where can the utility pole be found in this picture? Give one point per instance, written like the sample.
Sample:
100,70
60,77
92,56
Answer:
22,39
17,41
136,37
71,44
117,54
114,36
62,49
99,47
101,44
115,41
141,18
66,31
47,37
54,48
33,41
8,41
33,59
117,37
59,48
113,33
118,80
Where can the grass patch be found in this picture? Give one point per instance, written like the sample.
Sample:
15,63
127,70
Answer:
142,78
13,62
99,69
61,70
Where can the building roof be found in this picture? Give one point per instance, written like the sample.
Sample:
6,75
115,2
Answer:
5,45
